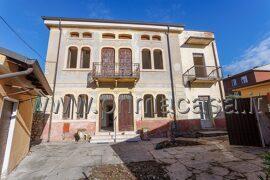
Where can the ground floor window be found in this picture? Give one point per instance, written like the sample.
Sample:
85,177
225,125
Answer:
148,106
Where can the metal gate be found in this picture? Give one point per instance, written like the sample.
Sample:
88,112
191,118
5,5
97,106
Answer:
242,126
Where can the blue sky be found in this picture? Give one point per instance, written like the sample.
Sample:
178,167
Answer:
241,27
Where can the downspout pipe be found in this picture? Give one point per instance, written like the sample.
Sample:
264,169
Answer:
174,125
16,74
54,80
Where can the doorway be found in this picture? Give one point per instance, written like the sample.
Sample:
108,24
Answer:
125,111
205,112
106,115
7,124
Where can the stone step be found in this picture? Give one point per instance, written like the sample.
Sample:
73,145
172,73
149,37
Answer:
212,133
119,138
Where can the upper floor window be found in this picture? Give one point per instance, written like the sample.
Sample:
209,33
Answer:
125,36
108,36
74,34
244,79
87,35
145,37
158,61
234,82
146,59
85,57
72,57
156,38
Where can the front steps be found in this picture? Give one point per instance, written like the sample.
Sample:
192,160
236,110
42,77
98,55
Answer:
212,133
109,137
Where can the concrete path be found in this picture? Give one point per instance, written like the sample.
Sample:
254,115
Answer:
213,160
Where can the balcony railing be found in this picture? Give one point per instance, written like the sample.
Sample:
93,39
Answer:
115,72
202,74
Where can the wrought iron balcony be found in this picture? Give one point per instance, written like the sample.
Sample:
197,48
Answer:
115,72
198,74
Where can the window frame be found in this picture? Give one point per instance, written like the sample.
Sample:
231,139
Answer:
244,79
234,82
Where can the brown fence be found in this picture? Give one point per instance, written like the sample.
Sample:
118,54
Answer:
243,128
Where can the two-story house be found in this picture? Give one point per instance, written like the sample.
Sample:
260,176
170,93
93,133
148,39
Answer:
129,74
250,83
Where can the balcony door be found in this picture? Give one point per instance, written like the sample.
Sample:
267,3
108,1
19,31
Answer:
107,62
125,62
199,64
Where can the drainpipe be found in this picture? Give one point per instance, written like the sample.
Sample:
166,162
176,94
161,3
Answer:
54,81
16,74
172,86
218,75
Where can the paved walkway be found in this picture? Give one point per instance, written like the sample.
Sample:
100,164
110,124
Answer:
213,160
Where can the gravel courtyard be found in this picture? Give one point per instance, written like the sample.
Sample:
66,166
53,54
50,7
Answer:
214,159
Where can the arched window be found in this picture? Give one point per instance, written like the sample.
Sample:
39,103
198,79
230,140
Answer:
125,61
108,36
125,36
160,104
72,57
68,106
145,37
146,59
85,57
87,35
158,60
74,34
82,106
156,38
148,102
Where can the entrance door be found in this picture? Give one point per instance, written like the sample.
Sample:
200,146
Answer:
200,70
205,112
107,62
125,62
125,110
6,114
106,115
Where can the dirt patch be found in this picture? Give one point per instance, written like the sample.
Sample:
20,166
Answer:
145,170
176,143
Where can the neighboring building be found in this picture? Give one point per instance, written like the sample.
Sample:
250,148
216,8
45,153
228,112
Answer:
21,81
123,61
250,83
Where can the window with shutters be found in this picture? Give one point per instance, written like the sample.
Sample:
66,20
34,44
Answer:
161,105
146,59
158,60
72,57
148,106
85,57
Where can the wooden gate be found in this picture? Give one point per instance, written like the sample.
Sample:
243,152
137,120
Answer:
243,127
125,104
125,62
107,62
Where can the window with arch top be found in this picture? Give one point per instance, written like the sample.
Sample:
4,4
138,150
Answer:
148,102
72,57
145,37
108,36
146,59
158,60
85,57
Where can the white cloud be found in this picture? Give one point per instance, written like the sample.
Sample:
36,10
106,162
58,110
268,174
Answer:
98,9
254,56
